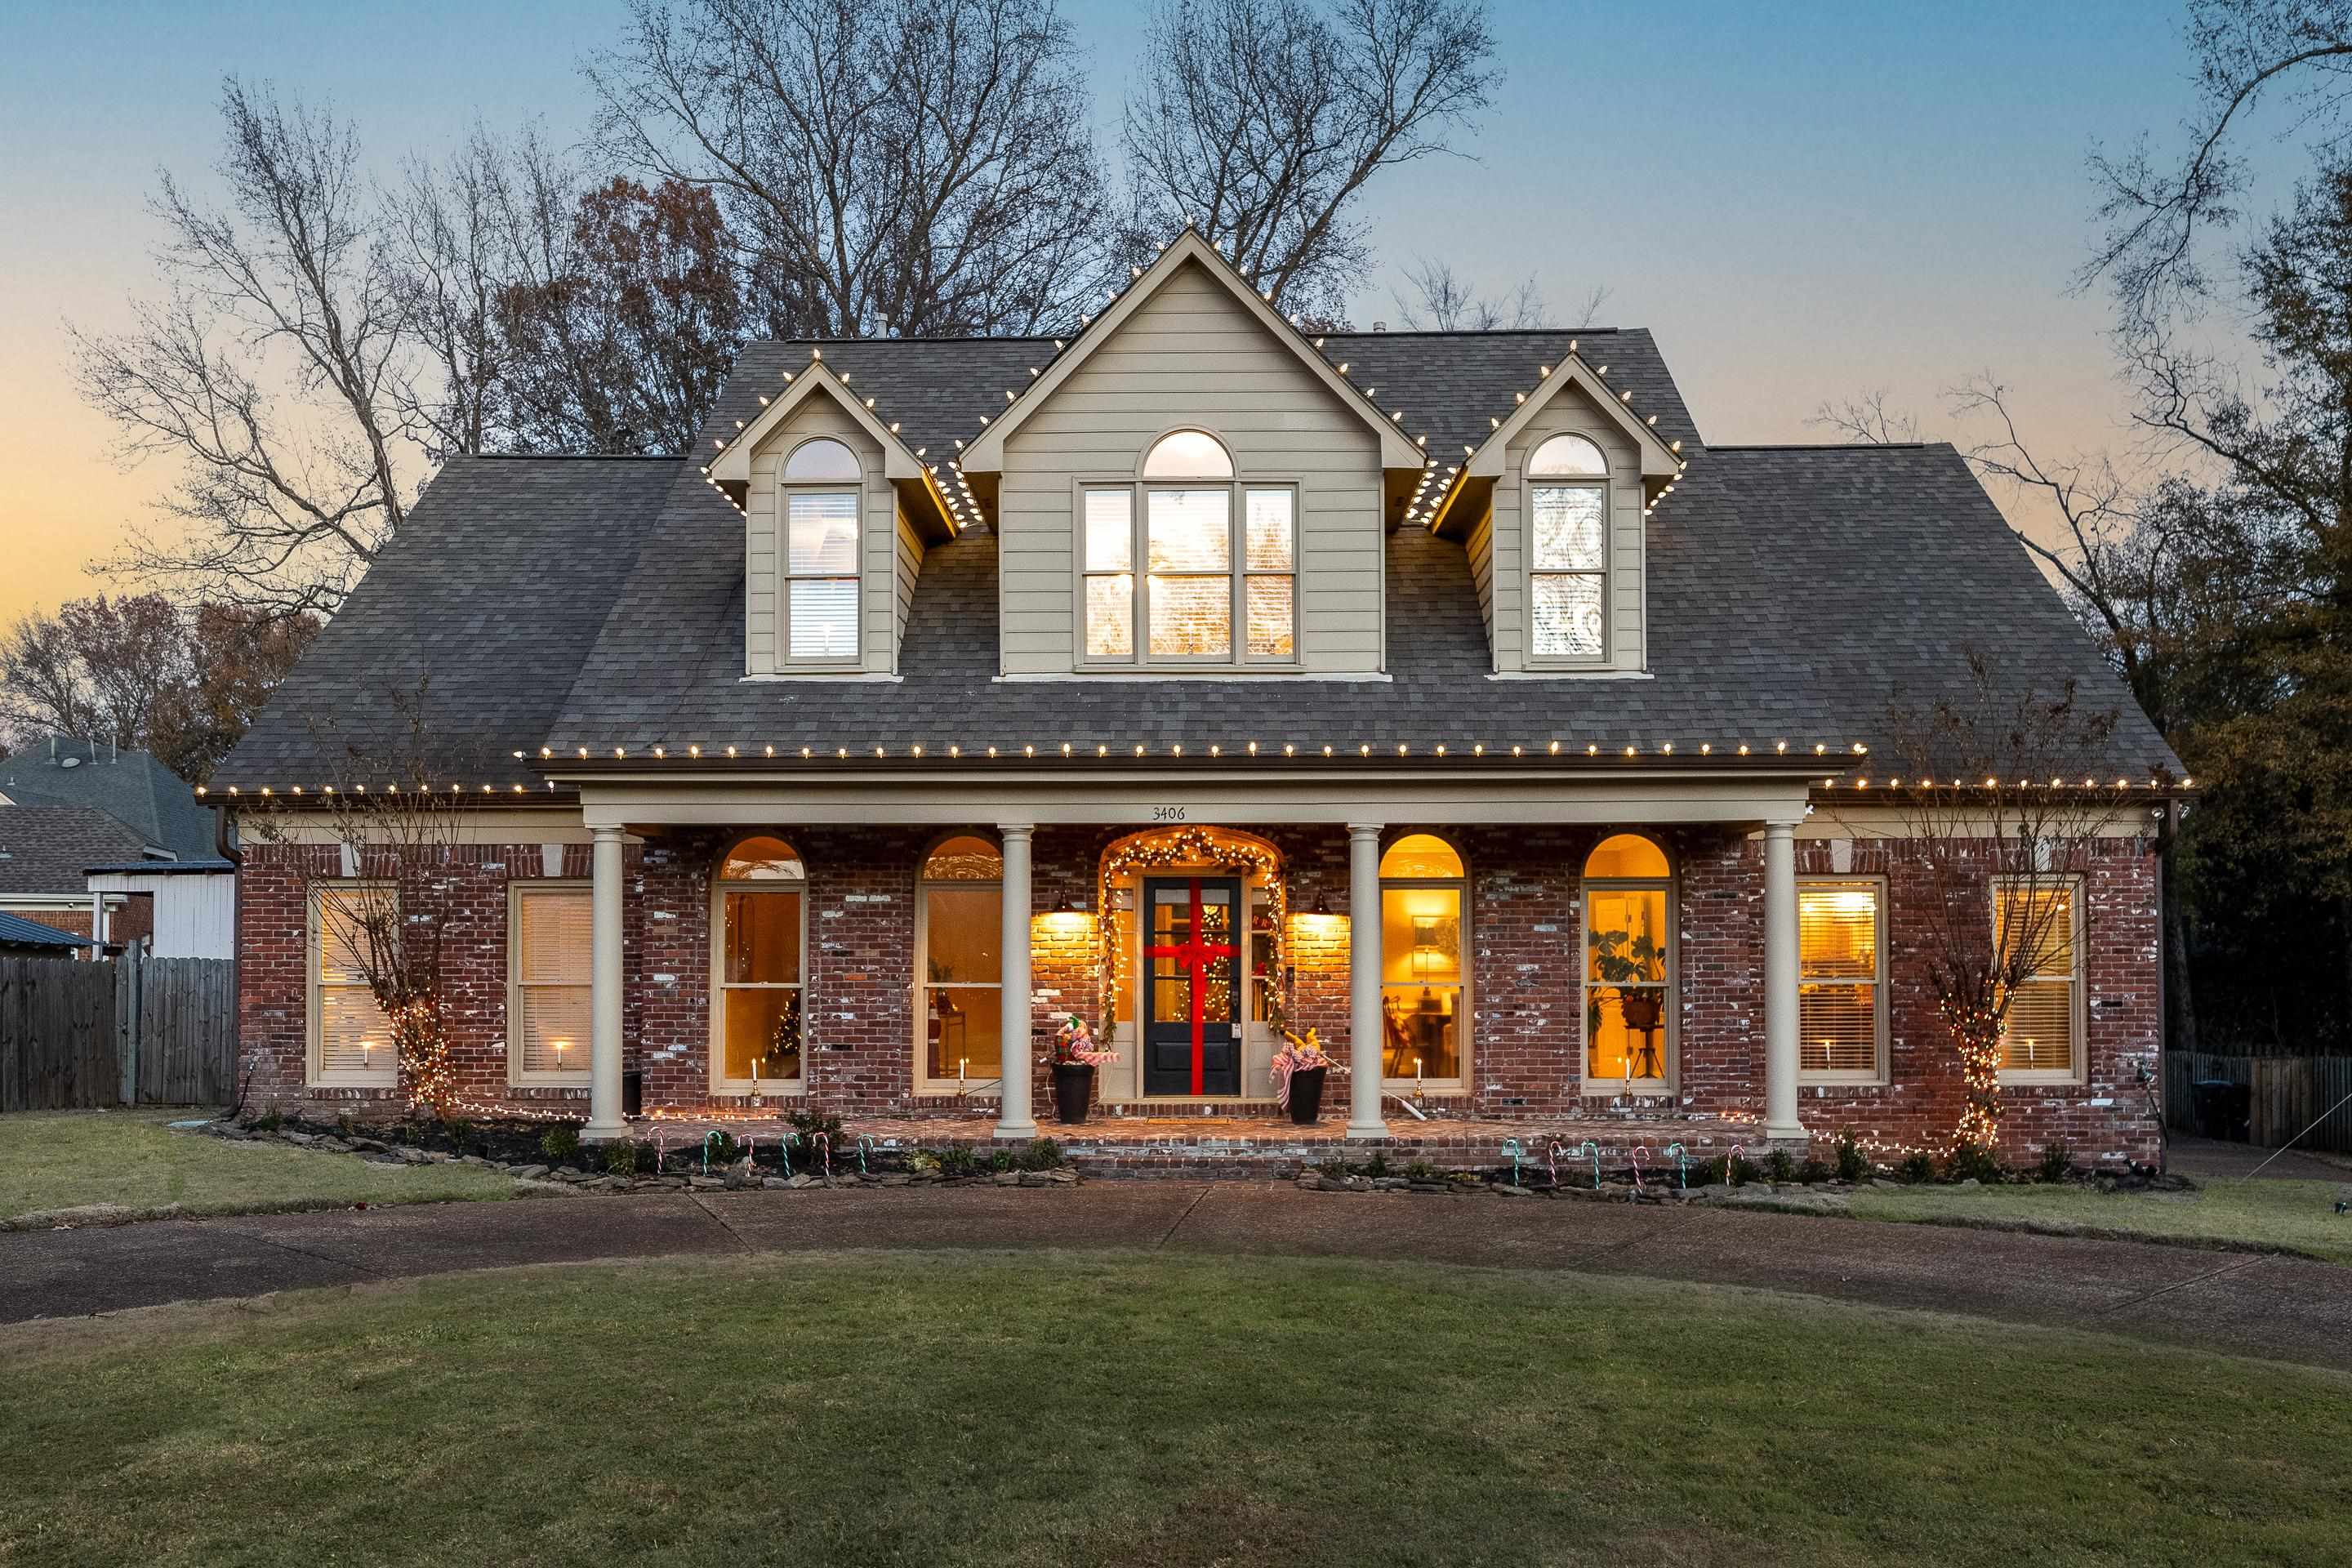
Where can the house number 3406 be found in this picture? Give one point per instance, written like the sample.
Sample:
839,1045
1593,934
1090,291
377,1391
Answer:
1168,814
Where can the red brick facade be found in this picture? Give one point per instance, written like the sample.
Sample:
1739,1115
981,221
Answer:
1525,941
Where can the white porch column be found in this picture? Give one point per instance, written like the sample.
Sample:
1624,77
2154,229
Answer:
604,989
1781,981
1014,1117
1365,1055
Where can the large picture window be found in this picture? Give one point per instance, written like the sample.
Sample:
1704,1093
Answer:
351,1039
548,975
1567,552
1219,584
1841,986
1422,903
1628,966
761,919
2041,1034
820,494
959,951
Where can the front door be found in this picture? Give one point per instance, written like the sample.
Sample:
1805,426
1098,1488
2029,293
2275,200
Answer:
1192,1026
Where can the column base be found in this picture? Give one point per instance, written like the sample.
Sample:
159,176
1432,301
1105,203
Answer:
1012,1132
603,1131
1367,1129
1786,1133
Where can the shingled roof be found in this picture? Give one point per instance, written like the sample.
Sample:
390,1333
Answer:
1793,593
45,850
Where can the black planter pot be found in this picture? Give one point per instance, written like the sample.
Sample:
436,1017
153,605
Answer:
1307,1094
1074,1091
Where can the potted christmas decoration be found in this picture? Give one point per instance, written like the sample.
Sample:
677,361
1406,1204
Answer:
1298,1071
1074,1057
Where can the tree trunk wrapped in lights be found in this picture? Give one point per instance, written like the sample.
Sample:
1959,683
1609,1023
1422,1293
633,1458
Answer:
1999,798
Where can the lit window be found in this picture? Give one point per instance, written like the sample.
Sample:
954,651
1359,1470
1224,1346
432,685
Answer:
1219,579
821,544
351,1041
549,998
1628,987
1421,943
959,1007
1840,980
2037,923
760,895
1568,519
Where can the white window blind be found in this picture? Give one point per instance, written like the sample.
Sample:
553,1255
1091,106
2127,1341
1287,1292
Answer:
354,1040
552,977
821,569
1840,984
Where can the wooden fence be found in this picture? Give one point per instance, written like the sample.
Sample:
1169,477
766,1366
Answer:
129,1031
2285,1095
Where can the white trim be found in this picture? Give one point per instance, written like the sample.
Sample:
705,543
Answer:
1466,1013
313,958
2075,1072
807,672
1669,1080
1571,672
1179,672
733,464
921,983
985,454
722,1086
1659,461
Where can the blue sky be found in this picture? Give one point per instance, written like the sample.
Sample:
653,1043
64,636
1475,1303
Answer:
1802,200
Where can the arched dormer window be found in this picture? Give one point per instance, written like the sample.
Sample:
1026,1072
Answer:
1568,553
820,489
1219,584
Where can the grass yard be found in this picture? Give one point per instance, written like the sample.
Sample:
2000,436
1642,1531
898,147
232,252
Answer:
2289,1217
1084,1409
67,1159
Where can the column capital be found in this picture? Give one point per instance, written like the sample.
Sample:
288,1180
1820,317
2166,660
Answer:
1366,829
1774,828
608,830
1016,829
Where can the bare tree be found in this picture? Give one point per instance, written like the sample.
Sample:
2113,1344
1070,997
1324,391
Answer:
2003,794
99,669
269,373
1868,420
1259,122
2247,51
916,167
1442,300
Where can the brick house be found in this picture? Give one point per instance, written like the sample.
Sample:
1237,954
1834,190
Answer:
1446,693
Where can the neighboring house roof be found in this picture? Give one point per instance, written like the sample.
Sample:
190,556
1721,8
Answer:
16,932
132,787
1793,593
44,849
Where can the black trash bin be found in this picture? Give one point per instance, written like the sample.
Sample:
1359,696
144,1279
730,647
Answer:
2222,1108
633,1094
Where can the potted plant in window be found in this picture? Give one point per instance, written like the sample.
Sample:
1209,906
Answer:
1073,1059
1299,1070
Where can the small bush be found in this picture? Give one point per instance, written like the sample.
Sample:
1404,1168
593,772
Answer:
1852,1165
344,1126
2057,1161
1336,1167
1918,1168
721,1149
560,1142
923,1163
1968,1160
1814,1171
1779,1165
269,1121
1041,1154
621,1157
808,1124
1000,1160
958,1162
1377,1166
1742,1170
1420,1171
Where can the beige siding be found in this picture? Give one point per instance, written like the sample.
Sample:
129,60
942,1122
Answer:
1481,551
1571,413
909,567
1191,354
880,566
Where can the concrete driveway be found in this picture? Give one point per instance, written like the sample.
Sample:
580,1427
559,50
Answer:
2277,1308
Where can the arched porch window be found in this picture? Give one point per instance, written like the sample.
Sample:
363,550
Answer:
759,911
959,942
1629,967
1423,935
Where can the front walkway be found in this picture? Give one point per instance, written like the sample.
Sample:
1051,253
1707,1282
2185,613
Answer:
2279,1308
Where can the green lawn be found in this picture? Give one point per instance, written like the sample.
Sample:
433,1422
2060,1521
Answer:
1075,1408
2289,1217
67,1159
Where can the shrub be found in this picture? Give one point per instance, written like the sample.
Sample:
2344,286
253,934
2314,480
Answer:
923,1163
1813,1171
1740,1171
621,1157
1779,1165
460,1134
808,1124
1968,1160
1852,1165
1336,1167
1918,1168
560,1142
1377,1166
269,1121
344,1126
1420,1171
2057,1161
958,1162
1041,1154
1000,1160
721,1149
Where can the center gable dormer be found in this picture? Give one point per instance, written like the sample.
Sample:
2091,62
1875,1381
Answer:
1191,489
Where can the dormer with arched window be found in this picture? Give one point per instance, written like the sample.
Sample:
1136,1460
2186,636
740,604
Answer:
827,550
1560,557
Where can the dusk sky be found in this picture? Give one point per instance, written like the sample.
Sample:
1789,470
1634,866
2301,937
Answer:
1803,201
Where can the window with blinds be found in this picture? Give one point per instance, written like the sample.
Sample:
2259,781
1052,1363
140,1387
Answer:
351,1041
821,499
2041,1029
547,968
1841,985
